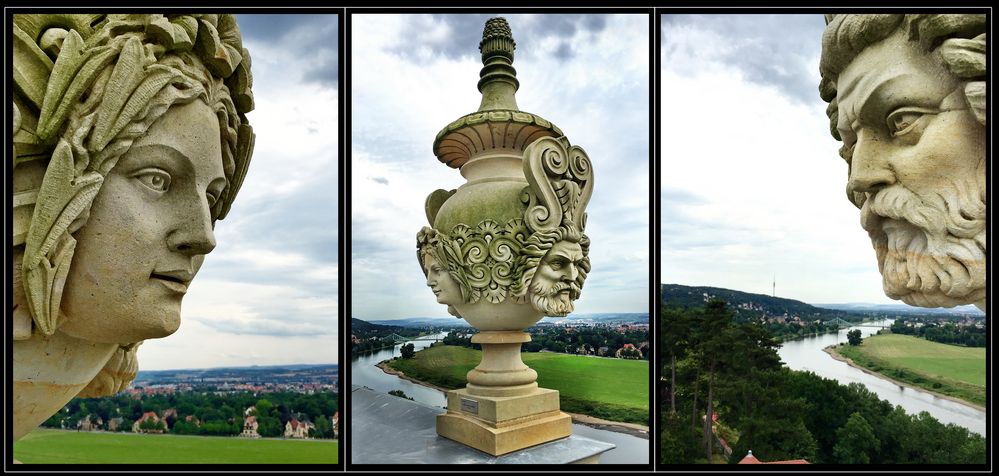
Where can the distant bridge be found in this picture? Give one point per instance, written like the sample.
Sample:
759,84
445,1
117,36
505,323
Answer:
840,323
428,338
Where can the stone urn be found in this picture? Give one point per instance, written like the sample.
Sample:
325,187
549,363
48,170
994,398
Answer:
506,249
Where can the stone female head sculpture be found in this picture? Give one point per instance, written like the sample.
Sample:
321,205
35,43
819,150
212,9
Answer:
429,252
130,141
907,97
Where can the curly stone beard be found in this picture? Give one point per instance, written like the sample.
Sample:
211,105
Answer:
930,249
551,301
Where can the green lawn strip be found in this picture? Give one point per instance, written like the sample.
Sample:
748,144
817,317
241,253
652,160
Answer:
947,369
612,389
70,447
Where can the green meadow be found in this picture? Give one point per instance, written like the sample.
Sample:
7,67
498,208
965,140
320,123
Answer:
70,447
948,369
612,389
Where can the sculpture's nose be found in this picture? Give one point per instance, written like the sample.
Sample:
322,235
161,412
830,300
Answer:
870,168
571,273
193,234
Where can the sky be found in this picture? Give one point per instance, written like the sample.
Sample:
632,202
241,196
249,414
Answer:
411,75
267,294
753,189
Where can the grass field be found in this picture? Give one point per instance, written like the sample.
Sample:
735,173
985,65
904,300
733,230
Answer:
58,446
948,369
613,389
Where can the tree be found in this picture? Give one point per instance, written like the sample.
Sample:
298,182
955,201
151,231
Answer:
269,427
855,441
400,394
854,337
408,351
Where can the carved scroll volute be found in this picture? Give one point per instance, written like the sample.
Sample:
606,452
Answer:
561,182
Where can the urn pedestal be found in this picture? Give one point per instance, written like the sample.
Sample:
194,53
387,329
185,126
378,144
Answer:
502,409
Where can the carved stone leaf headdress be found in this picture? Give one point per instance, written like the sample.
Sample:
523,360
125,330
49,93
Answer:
76,109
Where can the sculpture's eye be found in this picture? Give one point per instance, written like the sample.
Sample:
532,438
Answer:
155,179
903,120
557,263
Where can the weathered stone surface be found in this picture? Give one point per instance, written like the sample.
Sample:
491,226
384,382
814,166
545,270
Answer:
130,141
906,96
511,242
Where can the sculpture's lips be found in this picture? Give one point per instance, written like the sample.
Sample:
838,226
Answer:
175,280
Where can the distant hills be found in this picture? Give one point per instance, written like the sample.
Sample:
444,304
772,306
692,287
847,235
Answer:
255,373
436,322
749,304
415,322
969,310
752,305
365,329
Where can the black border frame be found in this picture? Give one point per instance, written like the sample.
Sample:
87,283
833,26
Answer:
9,11
653,193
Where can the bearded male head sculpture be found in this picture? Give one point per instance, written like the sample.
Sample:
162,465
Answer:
130,141
907,97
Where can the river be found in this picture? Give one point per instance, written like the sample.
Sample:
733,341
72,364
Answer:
629,450
807,354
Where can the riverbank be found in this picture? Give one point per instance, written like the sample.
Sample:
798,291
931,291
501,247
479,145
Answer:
834,353
633,429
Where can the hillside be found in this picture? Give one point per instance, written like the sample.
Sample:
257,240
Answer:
591,318
366,330
748,305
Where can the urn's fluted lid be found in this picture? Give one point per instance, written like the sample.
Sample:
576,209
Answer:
498,123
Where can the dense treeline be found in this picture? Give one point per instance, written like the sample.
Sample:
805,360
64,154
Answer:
370,345
944,333
713,365
211,414
365,330
598,340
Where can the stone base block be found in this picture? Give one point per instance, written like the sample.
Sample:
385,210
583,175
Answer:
500,425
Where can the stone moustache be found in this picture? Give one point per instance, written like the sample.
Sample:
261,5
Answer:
130,141
907,96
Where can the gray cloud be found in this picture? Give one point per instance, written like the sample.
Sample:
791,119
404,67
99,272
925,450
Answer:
466,32
269,326
381,180
314,36
769,49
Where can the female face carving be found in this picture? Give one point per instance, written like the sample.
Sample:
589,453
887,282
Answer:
149,228
440,282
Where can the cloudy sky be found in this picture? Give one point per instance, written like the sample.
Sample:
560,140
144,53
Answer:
267,294
752,185
411,75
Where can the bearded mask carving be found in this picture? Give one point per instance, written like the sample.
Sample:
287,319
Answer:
906,96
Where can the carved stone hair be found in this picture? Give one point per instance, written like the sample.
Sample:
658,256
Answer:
87,87
959,39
